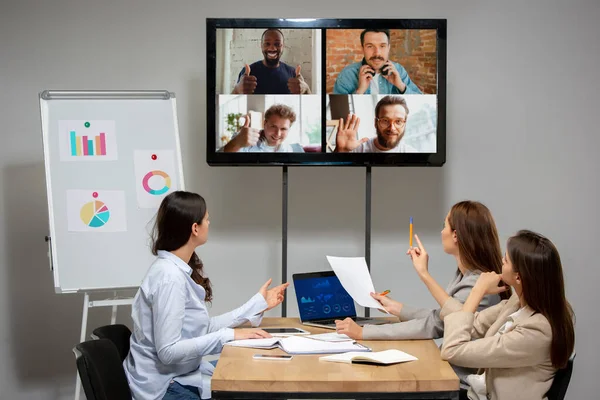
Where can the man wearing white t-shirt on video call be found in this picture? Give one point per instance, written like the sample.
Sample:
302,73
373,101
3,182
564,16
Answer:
278,121
391,113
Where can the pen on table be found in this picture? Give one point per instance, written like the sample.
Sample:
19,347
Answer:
385,292
410,232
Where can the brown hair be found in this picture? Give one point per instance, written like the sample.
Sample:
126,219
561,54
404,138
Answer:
478,242
363,33
282,111
536,260
177,213
390,101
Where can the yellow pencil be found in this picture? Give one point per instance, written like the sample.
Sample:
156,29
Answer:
410,232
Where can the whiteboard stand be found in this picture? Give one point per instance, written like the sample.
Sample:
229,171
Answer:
135,131
113,302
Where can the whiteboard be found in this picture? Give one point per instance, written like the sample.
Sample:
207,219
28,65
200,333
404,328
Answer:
110,157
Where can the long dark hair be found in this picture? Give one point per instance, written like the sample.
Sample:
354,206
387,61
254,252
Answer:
537,261
177,213
478,241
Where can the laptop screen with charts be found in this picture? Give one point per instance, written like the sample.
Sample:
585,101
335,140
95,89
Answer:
322,299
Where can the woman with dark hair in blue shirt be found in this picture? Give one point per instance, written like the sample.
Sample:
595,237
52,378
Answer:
172,329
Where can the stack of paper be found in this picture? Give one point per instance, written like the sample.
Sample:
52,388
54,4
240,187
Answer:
385,357
300,345
331,337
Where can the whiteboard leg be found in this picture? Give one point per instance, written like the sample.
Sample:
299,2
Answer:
113,317
86,301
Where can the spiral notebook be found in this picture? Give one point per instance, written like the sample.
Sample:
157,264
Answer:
300,345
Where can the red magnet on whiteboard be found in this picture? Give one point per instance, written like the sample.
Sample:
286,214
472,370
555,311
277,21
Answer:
154,157
95,195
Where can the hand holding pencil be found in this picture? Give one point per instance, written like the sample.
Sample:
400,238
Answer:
392,306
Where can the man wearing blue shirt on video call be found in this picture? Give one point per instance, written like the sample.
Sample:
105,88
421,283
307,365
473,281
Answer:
376,74
271,75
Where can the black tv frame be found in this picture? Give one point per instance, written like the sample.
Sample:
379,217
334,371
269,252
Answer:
215,158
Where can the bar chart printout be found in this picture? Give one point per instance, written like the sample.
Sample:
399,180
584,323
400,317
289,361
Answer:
84,145
87,140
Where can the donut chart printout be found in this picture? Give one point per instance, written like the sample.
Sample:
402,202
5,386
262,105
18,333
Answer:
155,176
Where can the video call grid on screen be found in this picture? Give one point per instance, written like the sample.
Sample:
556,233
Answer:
284,89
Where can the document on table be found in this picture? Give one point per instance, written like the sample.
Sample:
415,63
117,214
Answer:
331,337
300,345
355,278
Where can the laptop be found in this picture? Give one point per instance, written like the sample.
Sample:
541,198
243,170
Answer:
322,299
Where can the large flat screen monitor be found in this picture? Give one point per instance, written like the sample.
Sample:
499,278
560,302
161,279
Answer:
357,92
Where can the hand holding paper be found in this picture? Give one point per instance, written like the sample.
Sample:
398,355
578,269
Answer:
355,278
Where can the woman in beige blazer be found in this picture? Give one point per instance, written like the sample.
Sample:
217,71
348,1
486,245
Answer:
521,342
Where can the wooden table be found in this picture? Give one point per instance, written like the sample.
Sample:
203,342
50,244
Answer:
239,376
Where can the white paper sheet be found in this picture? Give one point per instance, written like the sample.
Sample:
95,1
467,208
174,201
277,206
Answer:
300,345
331,337
355,278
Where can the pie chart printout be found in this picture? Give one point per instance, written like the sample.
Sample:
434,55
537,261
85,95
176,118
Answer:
95,214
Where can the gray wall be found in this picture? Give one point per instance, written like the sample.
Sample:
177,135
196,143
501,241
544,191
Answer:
522,80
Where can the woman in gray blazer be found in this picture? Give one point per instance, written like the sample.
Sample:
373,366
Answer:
470,235
521,342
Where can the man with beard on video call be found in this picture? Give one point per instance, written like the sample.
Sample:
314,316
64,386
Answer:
271,75
376,74
391,113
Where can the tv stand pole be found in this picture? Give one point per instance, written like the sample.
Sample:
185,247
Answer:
368,225
284,221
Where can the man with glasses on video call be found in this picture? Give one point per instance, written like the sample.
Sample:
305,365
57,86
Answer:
376,74
271,75
391,113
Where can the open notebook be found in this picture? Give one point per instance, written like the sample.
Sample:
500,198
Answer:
300,345
385,357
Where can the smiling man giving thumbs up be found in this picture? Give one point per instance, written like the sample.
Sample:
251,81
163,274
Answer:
271,75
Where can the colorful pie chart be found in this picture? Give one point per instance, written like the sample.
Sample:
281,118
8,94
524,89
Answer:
94,214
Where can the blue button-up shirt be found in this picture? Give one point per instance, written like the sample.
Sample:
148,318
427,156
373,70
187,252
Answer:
347,81
172,330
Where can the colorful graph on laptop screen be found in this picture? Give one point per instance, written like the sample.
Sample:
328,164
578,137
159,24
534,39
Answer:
323,298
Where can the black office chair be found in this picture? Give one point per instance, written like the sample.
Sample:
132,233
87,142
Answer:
559,387
118,334
101,371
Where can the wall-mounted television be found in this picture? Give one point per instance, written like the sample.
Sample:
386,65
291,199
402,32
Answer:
362,92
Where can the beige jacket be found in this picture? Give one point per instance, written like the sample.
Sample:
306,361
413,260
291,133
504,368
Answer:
517,363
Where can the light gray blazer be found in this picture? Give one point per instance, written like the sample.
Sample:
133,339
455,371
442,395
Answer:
424,323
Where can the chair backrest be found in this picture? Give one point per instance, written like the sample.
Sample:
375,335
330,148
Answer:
101,371
118,334
560,384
